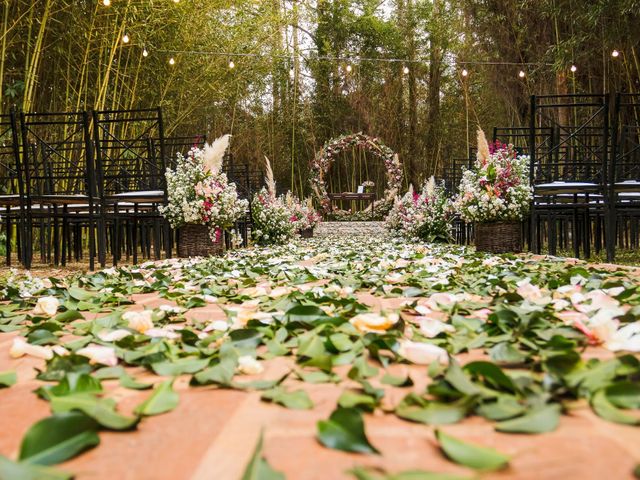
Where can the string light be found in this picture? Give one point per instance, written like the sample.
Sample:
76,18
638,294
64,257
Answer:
573,68
522,74
615,54
231,65
405,70
106,3
172,61
464,72
125,38
176,1
349,68
145,53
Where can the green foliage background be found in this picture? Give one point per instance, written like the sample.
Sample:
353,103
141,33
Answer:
68,55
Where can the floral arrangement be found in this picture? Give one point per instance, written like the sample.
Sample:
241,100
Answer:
497,188
330,151
273,222
424,216
303,215
273,217
368,185
198,193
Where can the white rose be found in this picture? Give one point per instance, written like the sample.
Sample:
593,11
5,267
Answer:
99,354
139,321
47,306
374,322
20,348
247,365
422,353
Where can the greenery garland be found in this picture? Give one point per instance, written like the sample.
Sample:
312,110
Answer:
332,148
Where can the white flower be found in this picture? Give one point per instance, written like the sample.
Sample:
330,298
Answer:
139,321
162,333
20,347
247,365
374,322
217,325
430,327
47,306
422,353
626,338
99,354
171,309
114,335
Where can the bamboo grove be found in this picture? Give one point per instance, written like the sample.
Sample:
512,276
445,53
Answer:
296,79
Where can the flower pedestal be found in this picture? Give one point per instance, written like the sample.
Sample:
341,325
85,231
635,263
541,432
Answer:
498,237
194,241
306,233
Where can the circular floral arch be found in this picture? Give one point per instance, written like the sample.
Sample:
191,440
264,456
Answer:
330,151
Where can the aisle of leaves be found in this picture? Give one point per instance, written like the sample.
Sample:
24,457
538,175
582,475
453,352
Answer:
310,302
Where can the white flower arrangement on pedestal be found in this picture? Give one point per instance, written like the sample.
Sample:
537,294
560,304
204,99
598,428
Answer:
198,193
422,216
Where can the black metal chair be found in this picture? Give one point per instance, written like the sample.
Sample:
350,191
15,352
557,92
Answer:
60,190
246,184
130,169
624,174
11,184
569,172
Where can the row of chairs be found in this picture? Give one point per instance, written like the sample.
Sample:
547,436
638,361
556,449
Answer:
78,181
585,170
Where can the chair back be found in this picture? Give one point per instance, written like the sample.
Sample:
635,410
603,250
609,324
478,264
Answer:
57,155
130,152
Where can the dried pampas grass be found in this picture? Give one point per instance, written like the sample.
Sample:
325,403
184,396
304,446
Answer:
214,154
483,147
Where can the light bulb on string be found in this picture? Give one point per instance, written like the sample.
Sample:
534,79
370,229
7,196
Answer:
106,3
172,61
405,70
125,38
522,74
573,68
349,68
145,53
465,72
231,65
615,54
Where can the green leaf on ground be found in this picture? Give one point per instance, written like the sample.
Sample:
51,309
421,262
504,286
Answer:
162,400
317,376
258,468
295,400
8,379
345,431
10,470
394,381
57,438
103,410
605,409
127,381
541,420
624,394
469,455
417,409
352,399
365,473
180,366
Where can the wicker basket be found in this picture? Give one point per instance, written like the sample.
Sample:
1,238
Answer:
307,233
194,241
498,237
